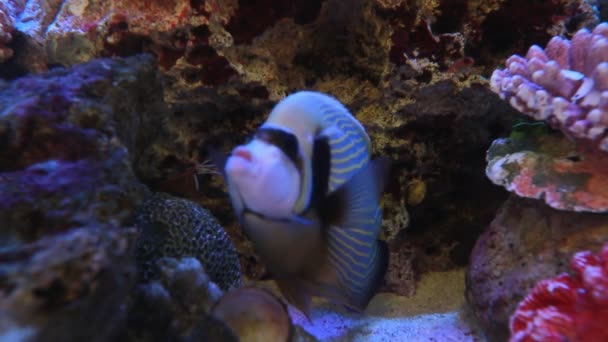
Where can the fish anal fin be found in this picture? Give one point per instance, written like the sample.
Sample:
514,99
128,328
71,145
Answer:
296,295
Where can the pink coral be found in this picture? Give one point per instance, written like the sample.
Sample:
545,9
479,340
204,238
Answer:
565,84
551,168
567,307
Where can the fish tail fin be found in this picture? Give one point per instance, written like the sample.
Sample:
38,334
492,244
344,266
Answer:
358,259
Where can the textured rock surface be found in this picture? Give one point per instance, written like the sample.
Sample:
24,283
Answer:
67,197
176,305
403,67
536,162
173,227
67,287
62,159
6,31
527,241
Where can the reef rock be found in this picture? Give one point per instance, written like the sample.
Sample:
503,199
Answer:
174,227
67,287
63,163
68,195
527,241
176,306
536,162
407,69
6,32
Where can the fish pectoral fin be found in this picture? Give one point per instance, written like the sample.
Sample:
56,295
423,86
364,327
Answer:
300,220
355,255
218,159
296,295
358,200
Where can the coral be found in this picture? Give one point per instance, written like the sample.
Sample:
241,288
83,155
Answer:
447,32
564,84
569,307
173,227
527,241
225,63
176,306
537,163
67,287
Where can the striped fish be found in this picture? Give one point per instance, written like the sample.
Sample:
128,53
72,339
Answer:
308,196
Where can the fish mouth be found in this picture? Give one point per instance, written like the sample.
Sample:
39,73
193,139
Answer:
242,153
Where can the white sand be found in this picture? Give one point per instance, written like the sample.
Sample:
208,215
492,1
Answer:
435,313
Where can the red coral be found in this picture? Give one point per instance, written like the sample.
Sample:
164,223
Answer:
567,307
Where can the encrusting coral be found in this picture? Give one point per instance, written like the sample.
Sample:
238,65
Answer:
567,307
565,84
536,162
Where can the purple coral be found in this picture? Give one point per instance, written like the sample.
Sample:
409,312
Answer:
566,84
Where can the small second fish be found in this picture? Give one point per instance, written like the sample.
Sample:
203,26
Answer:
308,196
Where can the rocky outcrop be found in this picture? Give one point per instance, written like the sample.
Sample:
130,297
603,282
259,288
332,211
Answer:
67,194
528,241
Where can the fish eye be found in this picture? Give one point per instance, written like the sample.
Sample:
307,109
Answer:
285,141
248,137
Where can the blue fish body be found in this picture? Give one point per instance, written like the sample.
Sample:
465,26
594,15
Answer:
328,244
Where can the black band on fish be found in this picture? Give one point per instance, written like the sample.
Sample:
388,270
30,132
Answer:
293,218
286,141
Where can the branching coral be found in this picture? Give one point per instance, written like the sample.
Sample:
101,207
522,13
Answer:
567,307
565,84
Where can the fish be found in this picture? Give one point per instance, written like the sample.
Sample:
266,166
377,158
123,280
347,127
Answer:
308,195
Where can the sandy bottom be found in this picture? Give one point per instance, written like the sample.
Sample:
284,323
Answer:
435,313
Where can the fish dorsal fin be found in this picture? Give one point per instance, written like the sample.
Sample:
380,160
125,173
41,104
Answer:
355,255
321,159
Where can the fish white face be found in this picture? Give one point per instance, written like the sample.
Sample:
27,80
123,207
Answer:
267,181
